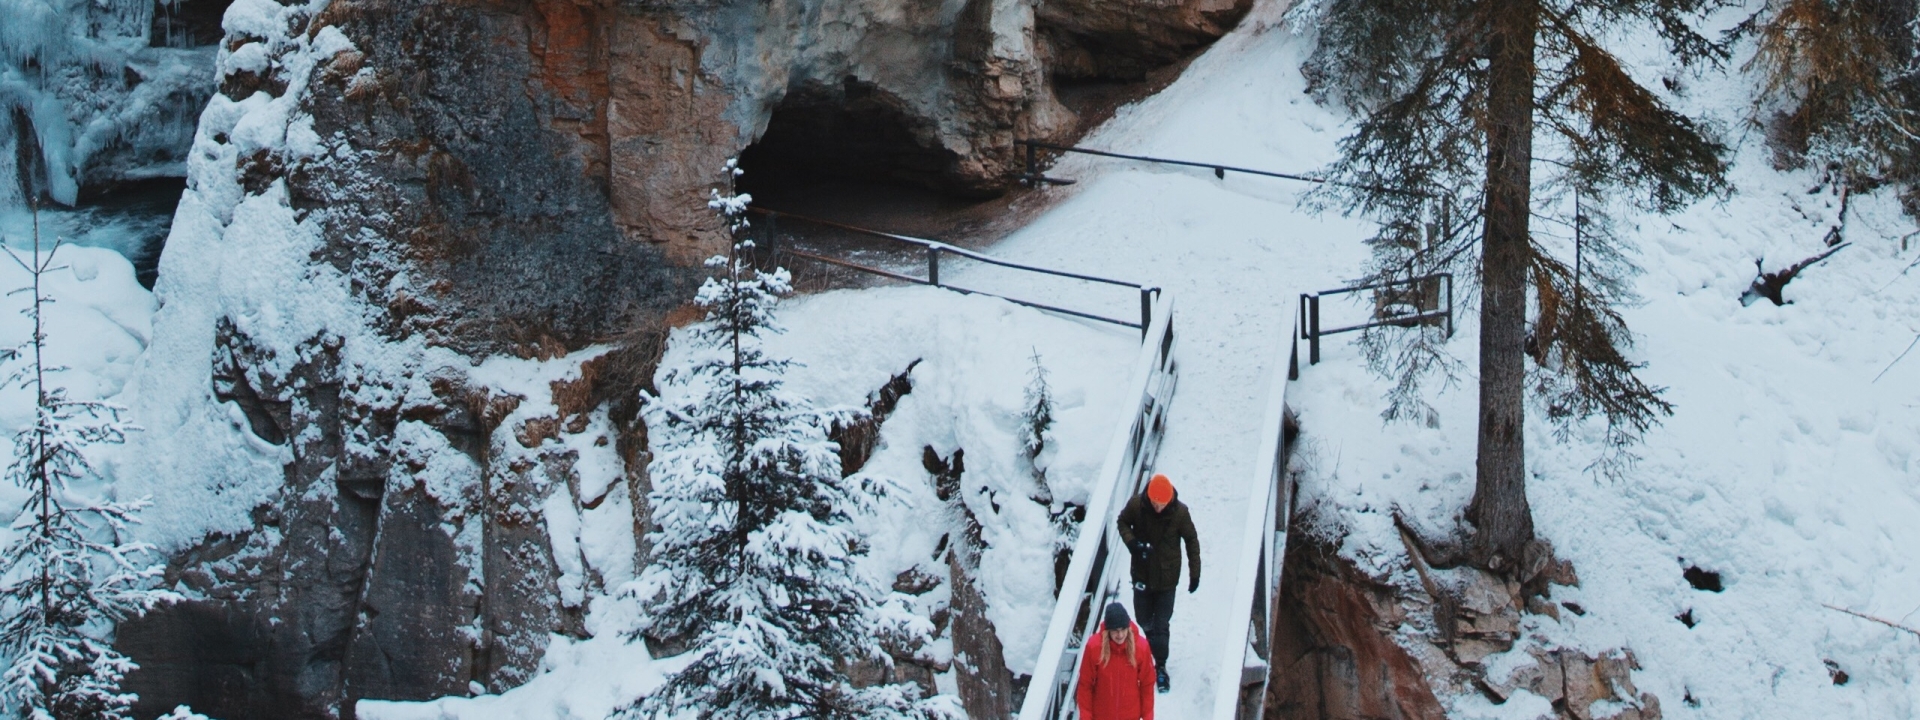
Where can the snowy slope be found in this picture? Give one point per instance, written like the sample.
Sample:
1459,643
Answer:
1787,466
99,322
974,355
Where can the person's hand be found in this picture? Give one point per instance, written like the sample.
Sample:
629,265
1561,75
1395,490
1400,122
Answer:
1193,583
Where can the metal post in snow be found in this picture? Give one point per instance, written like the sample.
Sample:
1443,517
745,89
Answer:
1303,317
933,265
1146,308
1033,165
1313,329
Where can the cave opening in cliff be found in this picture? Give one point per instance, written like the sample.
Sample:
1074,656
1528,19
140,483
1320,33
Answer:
855,153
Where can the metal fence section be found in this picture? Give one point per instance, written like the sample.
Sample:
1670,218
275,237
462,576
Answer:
1033,177
1098,568
1247,655
1399,303
932,252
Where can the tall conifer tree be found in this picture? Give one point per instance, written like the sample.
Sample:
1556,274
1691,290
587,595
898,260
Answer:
1455,96
753,559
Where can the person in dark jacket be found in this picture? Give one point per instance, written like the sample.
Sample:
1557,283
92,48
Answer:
1116,671
1153,525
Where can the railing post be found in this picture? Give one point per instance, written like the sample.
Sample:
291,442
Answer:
933,265
1300,329
1313,329
1033,165
1293,361
1146,309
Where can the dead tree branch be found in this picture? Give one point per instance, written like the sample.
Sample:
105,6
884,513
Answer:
1770,284
1882,621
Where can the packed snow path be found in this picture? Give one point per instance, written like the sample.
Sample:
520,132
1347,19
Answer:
1235,252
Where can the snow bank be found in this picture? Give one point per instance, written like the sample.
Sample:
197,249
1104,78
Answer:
97,325
1787,467
578,680
974,355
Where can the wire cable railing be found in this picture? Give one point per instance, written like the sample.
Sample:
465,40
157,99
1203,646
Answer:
1033,176
933,252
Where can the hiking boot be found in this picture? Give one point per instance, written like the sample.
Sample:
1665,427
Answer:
1162,679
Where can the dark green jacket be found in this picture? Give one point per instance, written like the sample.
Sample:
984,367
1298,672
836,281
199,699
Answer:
1160,570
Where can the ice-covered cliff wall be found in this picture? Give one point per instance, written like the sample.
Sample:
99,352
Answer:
94,93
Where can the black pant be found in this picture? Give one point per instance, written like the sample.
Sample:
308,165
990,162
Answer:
1154,609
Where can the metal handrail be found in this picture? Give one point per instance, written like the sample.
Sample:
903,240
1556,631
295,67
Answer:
935,249
1246,659
1095,571
1308,321
1219,170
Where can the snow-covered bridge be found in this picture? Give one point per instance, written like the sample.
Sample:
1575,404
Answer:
1230,256
1233,255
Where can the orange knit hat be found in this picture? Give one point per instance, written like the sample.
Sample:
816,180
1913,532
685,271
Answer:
1160,489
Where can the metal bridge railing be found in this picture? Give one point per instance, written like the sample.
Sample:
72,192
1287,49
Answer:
1424,300
1098,568
1246,657
1033,177
935,250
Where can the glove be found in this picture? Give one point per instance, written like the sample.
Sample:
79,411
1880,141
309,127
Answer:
1193,583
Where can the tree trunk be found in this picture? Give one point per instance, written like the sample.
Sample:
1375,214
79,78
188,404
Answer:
1502,520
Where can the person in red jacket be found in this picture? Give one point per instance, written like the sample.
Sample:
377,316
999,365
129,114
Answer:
1116,671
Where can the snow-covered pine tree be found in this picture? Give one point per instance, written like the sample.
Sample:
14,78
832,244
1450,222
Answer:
68,574
1036,418
1450,93
753,561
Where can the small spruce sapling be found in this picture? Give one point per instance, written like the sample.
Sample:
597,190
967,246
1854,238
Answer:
1036,419
753,559
68,574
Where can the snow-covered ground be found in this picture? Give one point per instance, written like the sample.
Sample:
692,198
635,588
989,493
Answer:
974,356
99,322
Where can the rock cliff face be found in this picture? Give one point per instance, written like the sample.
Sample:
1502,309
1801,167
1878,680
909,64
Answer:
422,267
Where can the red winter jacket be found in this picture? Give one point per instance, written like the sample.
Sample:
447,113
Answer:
1118,691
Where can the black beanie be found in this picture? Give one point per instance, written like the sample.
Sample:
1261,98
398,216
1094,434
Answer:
1117,617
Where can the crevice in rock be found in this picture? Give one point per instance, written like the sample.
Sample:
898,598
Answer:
1124,41
1333,650
985,685
859,437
